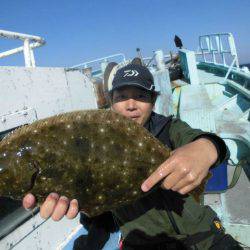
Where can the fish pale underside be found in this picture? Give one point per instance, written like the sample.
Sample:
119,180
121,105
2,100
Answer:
98,157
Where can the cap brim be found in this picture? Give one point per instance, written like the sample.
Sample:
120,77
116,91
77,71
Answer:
135,84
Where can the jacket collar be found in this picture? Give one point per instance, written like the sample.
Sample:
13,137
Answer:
156,123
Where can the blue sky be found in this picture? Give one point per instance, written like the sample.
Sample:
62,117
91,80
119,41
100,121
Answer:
78,30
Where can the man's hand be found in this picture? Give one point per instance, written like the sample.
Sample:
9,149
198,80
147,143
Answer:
54,206
185,169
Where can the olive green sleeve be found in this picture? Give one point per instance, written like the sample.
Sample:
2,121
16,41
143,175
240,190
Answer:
181,133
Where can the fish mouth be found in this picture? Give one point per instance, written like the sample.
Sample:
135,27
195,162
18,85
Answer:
34,175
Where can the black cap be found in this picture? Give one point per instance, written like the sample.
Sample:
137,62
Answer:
134,75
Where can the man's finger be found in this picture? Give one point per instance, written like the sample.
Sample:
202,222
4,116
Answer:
48,206
186,189
60,209
181,184
29,201
161,172
73,209
190,180
173,179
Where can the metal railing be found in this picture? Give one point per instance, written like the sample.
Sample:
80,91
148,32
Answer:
221,44
103,61
30,42
151,59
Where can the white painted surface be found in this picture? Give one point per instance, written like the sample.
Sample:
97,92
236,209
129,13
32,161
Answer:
49,91
159,58
164,102
188,63
17,119
38,233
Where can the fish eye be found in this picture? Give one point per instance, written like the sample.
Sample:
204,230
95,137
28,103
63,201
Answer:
1,169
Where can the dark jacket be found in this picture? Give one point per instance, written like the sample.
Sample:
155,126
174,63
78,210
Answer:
163,215
174,133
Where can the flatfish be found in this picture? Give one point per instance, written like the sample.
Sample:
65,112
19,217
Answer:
96,156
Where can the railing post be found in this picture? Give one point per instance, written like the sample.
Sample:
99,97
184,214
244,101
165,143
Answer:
104,65
233,49
159,58
26,52
32,58
29,43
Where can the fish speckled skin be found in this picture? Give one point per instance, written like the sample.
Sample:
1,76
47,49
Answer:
98,157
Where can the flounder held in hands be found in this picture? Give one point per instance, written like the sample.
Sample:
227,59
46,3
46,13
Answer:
98,157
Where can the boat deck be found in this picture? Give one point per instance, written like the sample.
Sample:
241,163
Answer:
219,108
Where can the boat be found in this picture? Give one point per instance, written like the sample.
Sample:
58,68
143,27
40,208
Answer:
206,88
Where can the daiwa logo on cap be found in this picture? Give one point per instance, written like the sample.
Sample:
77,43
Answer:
131,72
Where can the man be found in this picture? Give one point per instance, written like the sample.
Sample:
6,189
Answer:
167,217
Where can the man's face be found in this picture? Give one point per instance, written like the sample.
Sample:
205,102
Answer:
133,102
